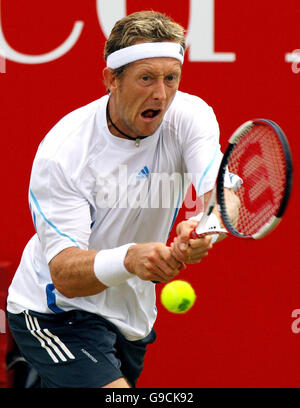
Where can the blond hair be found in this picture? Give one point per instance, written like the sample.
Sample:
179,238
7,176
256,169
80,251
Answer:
148,26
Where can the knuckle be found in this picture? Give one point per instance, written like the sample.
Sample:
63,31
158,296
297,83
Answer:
193,243
149,267
151,256
189,252
168,270
148,276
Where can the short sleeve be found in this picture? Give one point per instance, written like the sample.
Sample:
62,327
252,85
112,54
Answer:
200,144
61,214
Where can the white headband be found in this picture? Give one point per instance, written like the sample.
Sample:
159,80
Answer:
145,50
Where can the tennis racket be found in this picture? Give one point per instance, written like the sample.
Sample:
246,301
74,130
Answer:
259,153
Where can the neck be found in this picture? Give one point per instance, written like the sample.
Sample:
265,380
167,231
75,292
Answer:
137,139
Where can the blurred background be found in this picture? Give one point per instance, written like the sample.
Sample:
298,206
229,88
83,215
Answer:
243,329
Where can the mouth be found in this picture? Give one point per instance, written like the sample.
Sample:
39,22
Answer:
150,114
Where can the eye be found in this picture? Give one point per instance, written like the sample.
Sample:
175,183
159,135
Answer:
170,78
146,78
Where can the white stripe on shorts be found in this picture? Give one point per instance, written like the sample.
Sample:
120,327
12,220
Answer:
54,350
32,331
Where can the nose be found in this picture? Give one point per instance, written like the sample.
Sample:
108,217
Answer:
159,91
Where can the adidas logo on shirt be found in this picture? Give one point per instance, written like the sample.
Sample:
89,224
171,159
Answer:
144,173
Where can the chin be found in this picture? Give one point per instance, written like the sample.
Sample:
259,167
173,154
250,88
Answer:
148,129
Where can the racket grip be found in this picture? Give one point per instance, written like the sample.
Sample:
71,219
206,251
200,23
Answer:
193,234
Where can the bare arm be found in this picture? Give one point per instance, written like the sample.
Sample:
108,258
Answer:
72,270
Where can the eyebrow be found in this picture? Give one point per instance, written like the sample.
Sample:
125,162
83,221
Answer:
147,71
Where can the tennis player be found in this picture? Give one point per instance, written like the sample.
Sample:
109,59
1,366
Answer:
81,305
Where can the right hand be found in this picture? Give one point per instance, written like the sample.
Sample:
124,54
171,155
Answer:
152,261
189,250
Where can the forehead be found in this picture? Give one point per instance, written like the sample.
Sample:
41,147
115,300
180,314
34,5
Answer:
160,65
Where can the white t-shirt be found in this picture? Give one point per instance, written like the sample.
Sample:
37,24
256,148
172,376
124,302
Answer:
93,190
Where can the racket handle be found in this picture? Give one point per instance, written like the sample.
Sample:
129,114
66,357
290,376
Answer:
193,234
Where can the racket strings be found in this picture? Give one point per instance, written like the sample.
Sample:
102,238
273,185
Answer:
259,160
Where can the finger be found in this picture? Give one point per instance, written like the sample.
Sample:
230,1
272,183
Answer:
161,267
204,242
196,260
185,256
179,255
167,270
155,273
200,251
184,230
166,255
198,257
172,260
181,246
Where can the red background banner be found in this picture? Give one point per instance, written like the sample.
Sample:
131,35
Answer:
241,331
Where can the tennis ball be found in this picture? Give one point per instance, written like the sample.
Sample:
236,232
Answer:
178,296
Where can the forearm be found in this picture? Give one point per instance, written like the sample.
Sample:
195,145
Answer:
232,208
72,272
76,272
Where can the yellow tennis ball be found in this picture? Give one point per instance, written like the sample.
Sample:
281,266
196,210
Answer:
178,296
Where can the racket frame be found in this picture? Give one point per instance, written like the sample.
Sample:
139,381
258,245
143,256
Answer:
274,220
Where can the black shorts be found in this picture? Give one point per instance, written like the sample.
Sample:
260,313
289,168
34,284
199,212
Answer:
77,349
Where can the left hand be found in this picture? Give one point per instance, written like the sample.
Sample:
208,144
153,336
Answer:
233,204
188,250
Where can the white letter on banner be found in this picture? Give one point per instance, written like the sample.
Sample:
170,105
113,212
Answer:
58,52
109,12
294,58
200,34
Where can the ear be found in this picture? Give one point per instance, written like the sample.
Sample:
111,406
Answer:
109,78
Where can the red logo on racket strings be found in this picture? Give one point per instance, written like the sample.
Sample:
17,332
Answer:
253,172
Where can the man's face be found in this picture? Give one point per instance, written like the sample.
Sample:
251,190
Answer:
143,94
